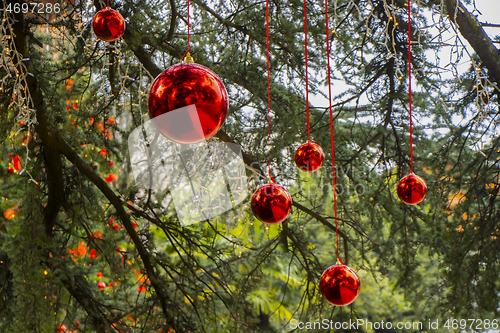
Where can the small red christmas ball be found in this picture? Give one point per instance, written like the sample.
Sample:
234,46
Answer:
411,189
61,328
309,156
339,285
108,24
271,203
188,103
101,285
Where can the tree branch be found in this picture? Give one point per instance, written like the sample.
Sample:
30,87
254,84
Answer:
173,20
472,30
54,169
54,145
87,170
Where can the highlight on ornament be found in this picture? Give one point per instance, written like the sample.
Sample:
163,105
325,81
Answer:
188,102
339,284
271,203
309,156
411,189
108,24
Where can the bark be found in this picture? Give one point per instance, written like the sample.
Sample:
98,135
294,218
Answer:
52,157
474,33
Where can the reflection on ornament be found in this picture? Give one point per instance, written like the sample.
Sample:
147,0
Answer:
271,204
339,284
411,189
108,24
309,156
188,103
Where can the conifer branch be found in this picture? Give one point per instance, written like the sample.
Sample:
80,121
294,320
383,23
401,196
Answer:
154,70
474,33
54,169
52,157
151,272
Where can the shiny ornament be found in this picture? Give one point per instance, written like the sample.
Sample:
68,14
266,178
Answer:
271,204
108,24
339,284
309,156
101,285
188,103
411,189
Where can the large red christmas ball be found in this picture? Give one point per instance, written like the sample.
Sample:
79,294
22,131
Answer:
309,156
411,189
188,103
271,203
108,24
339,285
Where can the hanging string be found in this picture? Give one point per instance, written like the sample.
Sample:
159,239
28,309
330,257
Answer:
331,127
409,85
188,23
307,81
268,91
108,4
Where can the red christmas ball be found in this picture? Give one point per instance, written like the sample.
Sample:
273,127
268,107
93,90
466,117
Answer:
309,156
271,203
339,285
101,285
411,189
108,24
188,103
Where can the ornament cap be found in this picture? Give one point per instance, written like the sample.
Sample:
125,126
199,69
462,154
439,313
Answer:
339,261
309,156
188,58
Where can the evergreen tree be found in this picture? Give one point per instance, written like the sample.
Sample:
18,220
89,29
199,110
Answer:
86,248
